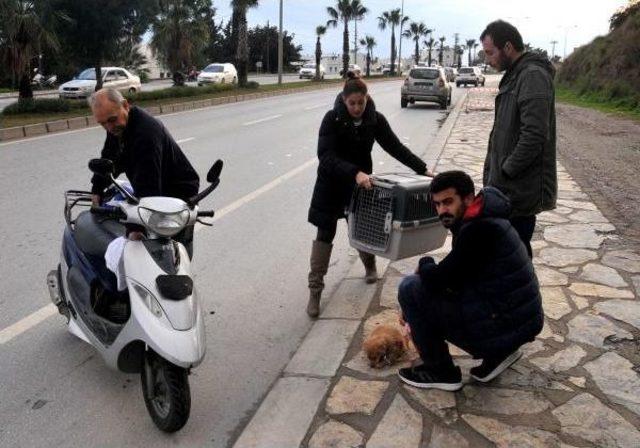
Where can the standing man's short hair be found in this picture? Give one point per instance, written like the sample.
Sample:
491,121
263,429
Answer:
458,180
502,32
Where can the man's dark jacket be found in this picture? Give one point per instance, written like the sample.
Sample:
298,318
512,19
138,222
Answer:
521,159
152,160
343,150
486,284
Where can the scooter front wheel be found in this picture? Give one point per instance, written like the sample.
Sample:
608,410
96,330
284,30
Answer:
166,392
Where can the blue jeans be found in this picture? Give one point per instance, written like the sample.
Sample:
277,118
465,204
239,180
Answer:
431,320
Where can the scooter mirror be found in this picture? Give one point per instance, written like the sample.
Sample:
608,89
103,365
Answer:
214,172
103,167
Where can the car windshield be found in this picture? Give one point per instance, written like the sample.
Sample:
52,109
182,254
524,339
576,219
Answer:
309,66
424,74
213,68
88,74
466,70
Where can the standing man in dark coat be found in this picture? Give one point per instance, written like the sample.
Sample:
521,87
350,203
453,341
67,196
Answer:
483,296
521,159
142,148
346,139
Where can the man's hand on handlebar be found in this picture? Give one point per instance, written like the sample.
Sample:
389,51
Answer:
95,200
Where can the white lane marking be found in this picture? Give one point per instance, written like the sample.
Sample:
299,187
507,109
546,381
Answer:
272,117
184,140
30,321
317,106
260,191
55,134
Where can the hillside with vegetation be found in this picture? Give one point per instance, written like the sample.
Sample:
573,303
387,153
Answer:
607,70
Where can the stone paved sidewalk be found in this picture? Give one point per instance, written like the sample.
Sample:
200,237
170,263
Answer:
577,384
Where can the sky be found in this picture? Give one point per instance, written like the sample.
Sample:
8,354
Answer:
571,23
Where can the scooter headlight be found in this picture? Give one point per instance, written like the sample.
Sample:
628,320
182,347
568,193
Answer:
164,224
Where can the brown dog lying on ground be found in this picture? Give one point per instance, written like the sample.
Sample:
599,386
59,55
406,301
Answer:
385,346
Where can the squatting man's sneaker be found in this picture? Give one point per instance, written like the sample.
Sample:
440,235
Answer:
492,367
432,377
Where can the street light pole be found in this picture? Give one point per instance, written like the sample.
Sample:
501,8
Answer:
400,45
553,48
280,47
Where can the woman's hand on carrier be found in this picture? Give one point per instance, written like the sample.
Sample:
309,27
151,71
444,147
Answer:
363,180
95,200
429,173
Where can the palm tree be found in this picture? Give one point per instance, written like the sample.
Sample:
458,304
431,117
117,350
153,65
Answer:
27,29
441,49
369,42
239,20
358,12
429,44
320,31
416,31
178,35
342,12
392,19
470,43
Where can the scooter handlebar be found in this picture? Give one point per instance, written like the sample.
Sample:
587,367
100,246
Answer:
109,211
206,214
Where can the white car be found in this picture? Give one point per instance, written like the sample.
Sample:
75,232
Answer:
309,71
218,73
84,84
470,75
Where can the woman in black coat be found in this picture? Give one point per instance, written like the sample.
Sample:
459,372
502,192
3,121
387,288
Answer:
347,135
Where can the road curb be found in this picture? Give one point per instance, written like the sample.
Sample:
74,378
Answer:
320,354
50,127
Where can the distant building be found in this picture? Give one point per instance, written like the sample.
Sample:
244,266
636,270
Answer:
153,66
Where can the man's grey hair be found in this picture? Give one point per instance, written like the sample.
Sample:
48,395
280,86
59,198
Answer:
111,94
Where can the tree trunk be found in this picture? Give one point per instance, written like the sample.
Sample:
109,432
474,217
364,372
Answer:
318,57
368,63
430,57
345,49
24,89
98,69
392,70
242,50
417,54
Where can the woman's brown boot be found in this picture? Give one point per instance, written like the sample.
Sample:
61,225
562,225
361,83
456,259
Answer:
369,262
319,263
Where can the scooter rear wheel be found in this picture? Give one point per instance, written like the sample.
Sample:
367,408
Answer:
166,392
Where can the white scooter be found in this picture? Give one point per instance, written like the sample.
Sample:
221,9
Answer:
154,327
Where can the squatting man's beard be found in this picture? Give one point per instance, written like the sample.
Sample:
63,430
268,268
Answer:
447,220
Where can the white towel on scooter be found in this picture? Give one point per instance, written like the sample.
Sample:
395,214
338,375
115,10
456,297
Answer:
115,260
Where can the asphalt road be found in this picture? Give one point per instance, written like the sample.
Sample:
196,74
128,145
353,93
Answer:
250,269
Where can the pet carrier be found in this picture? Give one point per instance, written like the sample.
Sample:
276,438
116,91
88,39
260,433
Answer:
396,218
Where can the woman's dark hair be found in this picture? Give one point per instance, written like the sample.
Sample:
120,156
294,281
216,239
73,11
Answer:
458,180
502,32
353,84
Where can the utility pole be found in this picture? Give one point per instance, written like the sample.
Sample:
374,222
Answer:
456,37
553,48
400,45
268,32
280,48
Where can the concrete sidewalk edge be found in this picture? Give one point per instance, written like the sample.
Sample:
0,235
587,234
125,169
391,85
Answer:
323,348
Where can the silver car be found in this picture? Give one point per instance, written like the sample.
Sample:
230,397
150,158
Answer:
470,75
426,84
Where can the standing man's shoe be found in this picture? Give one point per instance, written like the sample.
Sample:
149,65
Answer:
491,367
432,377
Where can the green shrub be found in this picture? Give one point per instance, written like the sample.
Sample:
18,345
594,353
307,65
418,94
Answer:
178,92
42,106
252,85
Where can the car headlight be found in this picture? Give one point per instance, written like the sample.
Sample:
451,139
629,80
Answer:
164,224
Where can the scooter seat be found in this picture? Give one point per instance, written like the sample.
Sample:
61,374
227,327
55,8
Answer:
94,233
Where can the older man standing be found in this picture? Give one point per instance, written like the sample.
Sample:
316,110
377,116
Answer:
142,148
521,159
